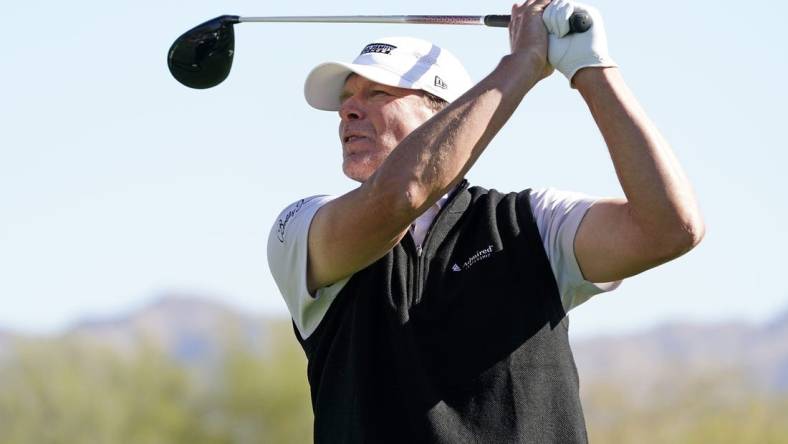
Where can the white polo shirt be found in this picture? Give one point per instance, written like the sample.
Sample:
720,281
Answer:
557,214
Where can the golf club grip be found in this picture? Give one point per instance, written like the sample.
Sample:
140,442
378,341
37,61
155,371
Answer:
578,22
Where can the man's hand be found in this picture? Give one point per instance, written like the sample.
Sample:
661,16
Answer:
570,53
528,35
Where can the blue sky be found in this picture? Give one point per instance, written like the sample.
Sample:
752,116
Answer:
119,185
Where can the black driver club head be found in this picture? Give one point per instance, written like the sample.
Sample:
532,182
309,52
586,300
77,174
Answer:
202,57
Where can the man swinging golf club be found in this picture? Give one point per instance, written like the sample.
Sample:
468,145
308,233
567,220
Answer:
433,311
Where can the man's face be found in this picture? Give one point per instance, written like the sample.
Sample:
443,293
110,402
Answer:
374,118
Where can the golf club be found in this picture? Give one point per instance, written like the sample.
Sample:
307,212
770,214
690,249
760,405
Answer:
202,57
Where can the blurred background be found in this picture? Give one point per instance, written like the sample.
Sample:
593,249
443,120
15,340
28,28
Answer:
135,300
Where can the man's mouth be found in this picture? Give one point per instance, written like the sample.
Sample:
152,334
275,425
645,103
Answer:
353,138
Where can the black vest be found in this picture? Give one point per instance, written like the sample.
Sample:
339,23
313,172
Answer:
464,343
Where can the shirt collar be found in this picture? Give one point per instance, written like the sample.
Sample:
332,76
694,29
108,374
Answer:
442,201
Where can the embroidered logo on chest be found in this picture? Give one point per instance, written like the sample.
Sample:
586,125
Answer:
476,258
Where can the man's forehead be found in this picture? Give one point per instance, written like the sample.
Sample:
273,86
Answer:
354,80
350,80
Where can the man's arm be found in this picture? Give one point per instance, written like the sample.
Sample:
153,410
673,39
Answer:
659,219
359,227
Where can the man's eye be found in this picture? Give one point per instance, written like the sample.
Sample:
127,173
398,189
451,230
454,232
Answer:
377,92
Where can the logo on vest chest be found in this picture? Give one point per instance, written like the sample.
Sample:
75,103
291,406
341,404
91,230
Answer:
477,257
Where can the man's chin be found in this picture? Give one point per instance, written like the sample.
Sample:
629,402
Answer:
356,171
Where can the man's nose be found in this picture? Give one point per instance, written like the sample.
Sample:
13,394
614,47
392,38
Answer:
351,109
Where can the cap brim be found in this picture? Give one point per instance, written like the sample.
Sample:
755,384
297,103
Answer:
324,84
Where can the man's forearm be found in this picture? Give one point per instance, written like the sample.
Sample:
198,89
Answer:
660,198
437,155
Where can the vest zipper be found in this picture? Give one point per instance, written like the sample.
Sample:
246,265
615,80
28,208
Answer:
420,248
411,247
419,256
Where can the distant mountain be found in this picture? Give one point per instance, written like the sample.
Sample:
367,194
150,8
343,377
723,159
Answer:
750,354
193,331
196,331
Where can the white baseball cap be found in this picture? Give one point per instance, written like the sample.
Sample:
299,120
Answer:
405,62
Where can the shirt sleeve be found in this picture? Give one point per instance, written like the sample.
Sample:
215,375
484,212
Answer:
287,260
558,215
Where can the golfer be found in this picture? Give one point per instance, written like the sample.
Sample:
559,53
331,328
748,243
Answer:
431,310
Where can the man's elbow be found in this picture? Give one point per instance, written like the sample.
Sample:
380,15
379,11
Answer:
684,237
396,197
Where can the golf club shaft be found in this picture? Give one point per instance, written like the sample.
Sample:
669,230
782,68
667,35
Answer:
201,57
489,20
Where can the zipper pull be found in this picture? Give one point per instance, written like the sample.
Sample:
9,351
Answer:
418,250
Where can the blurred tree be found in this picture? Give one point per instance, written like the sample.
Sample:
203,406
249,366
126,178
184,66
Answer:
711,407
61,391
68,391
265,398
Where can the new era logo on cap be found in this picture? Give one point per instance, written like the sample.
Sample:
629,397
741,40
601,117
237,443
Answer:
440,83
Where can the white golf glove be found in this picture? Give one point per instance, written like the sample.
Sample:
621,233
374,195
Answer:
569,53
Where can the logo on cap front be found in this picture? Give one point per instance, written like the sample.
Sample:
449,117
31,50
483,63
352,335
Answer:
440,83
379,48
